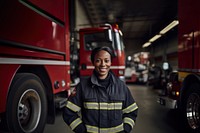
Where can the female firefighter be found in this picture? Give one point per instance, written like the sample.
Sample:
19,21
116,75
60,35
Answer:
101,103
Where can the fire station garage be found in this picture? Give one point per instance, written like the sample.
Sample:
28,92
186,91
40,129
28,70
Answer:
45,50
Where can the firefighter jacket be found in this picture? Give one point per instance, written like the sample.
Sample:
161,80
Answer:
96,109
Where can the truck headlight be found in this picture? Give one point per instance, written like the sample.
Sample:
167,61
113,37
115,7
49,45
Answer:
121,72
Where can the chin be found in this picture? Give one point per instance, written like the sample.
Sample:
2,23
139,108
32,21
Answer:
103,74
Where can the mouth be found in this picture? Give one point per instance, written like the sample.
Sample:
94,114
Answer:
103,69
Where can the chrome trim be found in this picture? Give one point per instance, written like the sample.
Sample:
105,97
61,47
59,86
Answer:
32,61
167,102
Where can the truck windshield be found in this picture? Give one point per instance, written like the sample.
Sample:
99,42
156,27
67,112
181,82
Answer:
93,40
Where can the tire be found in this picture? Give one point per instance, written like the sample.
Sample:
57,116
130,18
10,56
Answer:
27,105
191,108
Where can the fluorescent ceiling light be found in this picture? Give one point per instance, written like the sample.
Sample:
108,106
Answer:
146,44
155,38
165,30
169,27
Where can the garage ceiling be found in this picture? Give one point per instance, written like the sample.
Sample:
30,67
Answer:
139,20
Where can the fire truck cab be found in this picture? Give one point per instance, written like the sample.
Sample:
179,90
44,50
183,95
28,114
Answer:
104,35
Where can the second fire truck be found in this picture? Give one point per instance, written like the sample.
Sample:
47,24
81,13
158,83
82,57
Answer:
184,86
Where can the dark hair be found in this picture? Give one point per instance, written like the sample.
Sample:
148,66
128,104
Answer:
97,49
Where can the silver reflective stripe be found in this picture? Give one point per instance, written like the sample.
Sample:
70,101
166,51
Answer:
129,121
103,106
130,108
75,123
73,107
95,129
32,61
112,67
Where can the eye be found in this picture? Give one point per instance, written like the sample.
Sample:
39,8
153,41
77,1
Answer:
97,60
107,61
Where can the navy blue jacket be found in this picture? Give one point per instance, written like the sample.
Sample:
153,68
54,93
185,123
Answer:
98,109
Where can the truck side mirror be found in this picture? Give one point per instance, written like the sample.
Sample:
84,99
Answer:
109,35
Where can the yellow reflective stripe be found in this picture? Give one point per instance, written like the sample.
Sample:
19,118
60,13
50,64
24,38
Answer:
111,106
75,123
129,121
73,107
95,129
91,105
103,106
92,129
130,108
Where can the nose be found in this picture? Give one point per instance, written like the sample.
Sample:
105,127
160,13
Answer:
103,63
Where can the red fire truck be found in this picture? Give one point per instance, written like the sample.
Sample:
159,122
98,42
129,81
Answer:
35,60
184,90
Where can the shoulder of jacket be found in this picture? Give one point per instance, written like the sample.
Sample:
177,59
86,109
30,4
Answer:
84,79
119,81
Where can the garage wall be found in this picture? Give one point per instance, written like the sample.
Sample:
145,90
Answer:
165,49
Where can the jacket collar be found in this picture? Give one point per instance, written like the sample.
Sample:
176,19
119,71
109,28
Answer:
94,79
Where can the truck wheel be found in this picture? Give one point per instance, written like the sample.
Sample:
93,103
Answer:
192,108
27,105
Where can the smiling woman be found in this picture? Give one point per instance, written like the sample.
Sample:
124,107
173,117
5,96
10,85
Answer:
104,101
101,58
102,64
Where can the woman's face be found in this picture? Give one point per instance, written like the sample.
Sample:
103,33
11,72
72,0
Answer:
102,63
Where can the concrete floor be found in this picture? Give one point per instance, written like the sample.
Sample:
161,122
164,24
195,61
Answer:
152,117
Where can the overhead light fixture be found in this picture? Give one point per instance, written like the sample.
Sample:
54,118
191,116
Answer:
151,40
155,38
162,32
169,27
146,44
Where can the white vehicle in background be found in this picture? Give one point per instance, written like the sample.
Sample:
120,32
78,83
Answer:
130,75
137,68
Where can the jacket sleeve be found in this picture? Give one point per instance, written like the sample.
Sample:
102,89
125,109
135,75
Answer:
72,109
130,110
